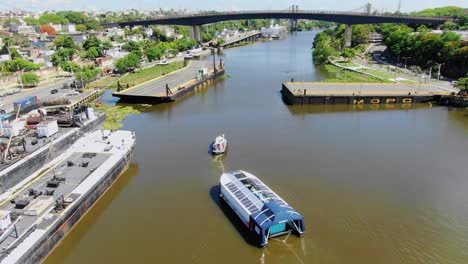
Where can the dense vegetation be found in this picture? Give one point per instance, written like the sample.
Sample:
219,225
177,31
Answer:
426,49
418,47
331,43
29,79
448,11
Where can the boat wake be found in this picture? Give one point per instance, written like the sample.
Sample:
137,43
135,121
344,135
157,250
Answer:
289,246
218,160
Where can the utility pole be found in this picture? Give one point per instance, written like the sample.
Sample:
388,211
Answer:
81,75
430,73
438,74
399,6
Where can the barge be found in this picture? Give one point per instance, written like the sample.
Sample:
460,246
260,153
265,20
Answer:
42,209
263,212
302,93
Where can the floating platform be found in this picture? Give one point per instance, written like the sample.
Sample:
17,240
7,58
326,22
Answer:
180,83
264,213
41,210
356,93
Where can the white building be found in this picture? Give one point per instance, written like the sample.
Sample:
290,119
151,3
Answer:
70,28
57,27
148,31
4,57
115,32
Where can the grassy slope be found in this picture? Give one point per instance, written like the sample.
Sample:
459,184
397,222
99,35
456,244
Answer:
338,75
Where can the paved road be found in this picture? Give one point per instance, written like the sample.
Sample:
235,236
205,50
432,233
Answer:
43,93
174,80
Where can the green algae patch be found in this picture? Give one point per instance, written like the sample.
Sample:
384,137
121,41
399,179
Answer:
116,114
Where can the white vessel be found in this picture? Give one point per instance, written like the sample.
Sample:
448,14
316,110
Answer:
219,145
264,212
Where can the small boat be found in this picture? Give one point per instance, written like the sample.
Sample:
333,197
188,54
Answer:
219,145
264,213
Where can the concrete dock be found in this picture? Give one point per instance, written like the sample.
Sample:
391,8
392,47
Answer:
179,83
358,93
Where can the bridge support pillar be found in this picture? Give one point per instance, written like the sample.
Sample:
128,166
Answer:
196,33
348,35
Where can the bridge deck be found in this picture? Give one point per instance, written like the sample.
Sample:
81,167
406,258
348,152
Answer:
157,87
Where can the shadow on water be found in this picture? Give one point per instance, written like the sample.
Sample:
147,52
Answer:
83,227
233,218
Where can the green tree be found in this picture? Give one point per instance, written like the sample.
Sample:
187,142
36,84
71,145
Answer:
133,46
6,22
69,66
80,27
31,21
63,55
128,63
64,42
73,17
91,53
462,84
88,74
361,34
349,53
15,54
91,42
29,79
449,25
107,45
20,65
154,53
52,18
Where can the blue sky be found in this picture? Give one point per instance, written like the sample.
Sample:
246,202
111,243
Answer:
385,5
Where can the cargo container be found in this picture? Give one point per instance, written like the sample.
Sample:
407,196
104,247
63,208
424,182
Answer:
12,129
26,103
47,128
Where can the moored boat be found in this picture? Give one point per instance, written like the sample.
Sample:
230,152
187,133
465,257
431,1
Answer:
219,145
264,213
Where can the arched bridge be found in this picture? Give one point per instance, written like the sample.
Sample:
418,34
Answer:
349,18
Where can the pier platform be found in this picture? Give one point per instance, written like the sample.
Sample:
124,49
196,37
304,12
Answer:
180,83
357,93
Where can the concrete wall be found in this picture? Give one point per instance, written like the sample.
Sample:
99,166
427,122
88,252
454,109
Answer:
12,80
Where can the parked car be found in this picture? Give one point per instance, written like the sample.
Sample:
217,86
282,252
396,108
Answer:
53,91
71,93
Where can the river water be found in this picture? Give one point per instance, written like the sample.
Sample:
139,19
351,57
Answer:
375,184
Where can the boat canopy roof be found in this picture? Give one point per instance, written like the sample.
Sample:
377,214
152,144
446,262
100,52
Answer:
263,205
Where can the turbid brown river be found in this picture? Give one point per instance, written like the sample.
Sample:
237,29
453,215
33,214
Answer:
375,185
